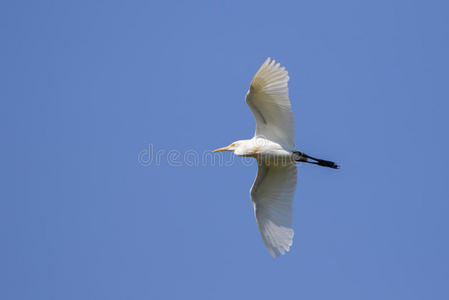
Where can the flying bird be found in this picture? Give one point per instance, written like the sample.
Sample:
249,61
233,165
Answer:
273,145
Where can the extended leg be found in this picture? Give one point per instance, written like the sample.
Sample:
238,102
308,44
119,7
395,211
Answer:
317,161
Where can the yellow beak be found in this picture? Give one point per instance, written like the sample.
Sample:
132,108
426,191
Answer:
222,149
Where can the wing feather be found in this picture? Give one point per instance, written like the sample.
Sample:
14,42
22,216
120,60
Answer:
270,104
272,197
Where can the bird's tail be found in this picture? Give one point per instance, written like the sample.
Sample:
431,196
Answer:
300,156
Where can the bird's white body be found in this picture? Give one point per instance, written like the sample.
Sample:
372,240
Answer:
263,149
273,146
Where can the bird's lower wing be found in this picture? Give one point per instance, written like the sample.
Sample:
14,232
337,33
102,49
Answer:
272,197
270,104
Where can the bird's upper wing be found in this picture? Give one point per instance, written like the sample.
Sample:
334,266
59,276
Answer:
272,197
268,100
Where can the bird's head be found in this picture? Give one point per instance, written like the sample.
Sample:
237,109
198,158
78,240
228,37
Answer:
238,147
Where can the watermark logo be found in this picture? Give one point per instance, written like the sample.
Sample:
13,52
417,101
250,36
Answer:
152,156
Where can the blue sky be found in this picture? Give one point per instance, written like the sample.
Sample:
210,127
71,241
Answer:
88,85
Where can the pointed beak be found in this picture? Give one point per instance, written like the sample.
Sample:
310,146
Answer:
222,149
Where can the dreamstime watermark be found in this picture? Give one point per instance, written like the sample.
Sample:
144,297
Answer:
273,155
150,156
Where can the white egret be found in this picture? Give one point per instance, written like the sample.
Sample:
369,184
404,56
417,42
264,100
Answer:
273,146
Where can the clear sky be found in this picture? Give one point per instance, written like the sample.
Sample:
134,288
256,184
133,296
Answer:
89,87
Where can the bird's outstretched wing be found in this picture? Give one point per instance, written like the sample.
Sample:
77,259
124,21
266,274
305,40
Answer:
268,100
272,197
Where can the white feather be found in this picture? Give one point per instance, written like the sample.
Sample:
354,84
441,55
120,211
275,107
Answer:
269,102
272,196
